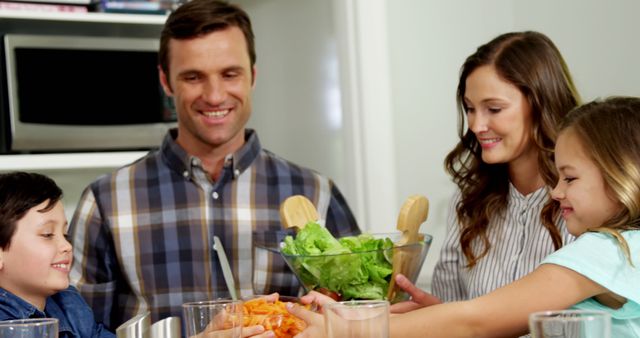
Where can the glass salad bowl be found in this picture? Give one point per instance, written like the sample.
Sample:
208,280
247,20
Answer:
355,267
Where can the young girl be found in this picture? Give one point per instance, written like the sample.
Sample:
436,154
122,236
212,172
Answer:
597,155
35,257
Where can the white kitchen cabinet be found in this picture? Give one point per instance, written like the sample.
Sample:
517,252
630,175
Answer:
111,18
71,171
68,161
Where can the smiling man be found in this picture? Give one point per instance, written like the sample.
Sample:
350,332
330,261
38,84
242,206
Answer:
144,234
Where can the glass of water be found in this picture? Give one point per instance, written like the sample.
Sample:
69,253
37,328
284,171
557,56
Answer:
357,319
29,328
215,318
570,324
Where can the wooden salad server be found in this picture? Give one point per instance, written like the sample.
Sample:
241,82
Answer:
413,213
296,211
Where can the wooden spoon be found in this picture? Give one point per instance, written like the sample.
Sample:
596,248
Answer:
296,211
413,213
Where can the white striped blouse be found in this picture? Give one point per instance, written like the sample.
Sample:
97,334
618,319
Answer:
519,242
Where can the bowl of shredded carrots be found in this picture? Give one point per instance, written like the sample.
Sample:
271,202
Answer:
273,316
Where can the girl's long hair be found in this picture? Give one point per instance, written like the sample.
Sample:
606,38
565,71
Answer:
608,132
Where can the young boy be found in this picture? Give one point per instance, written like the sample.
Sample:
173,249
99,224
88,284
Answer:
35,257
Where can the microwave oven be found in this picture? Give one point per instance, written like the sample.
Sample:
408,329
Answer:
81,93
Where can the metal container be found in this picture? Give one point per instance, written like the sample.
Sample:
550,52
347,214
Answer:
136,327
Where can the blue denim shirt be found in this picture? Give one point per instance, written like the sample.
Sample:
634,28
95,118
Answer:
75,318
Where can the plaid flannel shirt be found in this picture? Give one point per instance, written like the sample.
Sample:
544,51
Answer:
143,235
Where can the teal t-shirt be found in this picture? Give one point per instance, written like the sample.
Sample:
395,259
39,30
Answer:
599,257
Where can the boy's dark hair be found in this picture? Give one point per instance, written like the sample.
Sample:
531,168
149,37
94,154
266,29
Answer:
201,17
19,192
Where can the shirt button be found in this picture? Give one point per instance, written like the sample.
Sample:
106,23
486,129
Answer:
185,173
215,195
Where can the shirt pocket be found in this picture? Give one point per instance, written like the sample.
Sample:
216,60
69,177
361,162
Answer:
270,271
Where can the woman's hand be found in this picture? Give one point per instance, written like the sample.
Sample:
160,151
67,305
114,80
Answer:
419,298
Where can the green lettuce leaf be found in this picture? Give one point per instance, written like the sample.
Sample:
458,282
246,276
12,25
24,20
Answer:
355,266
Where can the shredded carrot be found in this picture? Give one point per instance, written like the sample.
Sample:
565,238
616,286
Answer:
273,316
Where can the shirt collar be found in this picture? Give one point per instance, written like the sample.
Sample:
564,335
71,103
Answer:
18,307
536,195
21,309
181,161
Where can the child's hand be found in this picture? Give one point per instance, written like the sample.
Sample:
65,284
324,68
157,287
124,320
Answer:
315,321
315,297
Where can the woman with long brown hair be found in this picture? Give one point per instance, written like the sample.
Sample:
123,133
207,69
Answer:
512,93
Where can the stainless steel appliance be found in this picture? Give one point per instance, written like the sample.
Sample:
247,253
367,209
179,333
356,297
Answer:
72,93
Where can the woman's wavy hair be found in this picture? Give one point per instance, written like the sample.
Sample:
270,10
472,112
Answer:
608,132
531,62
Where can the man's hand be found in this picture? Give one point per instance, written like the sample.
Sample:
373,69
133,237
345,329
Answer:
419,298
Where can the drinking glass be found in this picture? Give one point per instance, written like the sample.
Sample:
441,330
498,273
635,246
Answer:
29,328
570,324
218,318
357,319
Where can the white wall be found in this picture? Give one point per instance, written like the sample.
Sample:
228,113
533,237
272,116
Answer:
599,40
428,42
297,108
